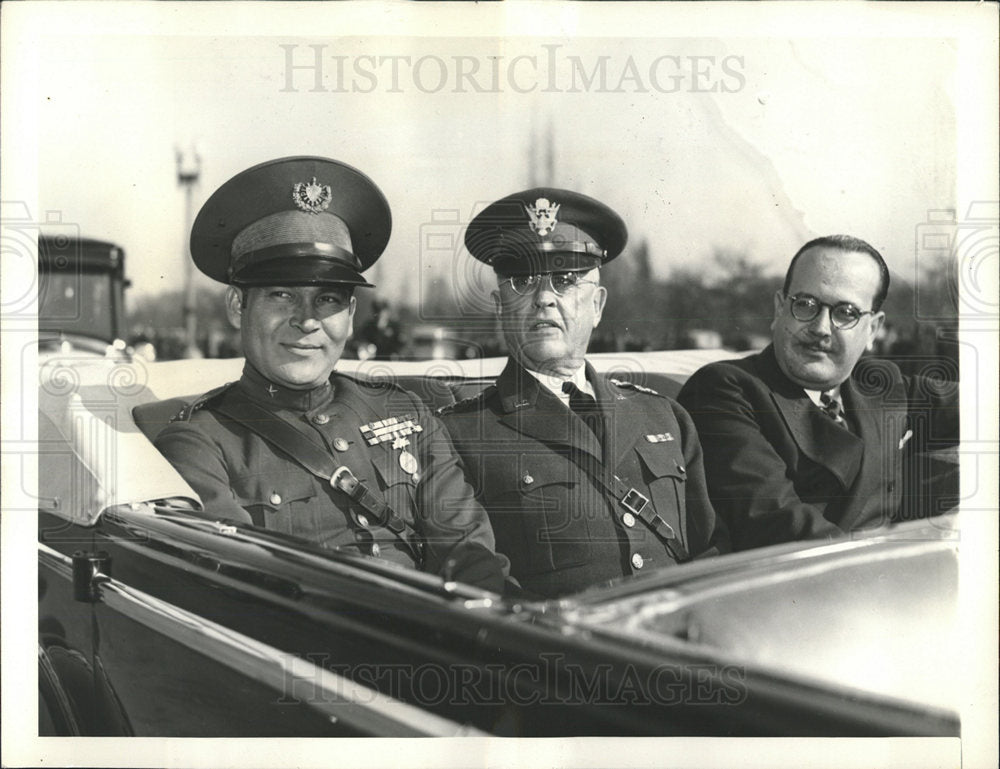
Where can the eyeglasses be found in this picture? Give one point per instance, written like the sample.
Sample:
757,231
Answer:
843,315
561,282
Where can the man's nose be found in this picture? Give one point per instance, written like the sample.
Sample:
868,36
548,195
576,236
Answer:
822,324
545,294
304,317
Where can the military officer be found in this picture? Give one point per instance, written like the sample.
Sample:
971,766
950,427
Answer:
585,478
294,446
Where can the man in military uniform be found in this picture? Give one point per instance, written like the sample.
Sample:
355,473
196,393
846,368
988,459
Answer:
585,478
294,446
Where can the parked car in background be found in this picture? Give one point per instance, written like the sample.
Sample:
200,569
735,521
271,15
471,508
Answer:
157,622
81,297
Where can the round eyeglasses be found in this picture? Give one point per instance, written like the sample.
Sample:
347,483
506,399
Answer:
843,315
561,282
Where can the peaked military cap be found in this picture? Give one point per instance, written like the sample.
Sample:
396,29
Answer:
545,230
292,221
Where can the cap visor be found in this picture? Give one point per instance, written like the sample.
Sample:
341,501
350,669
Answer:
300,271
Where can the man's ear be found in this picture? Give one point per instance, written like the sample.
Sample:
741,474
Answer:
497,303
600,299
876,325
351,307
234,306
779,303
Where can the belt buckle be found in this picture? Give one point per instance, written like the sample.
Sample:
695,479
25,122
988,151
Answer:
634,501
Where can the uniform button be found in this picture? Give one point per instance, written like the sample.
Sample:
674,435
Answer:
321,419
275,498
362,520
376,549
680,468
340,444
528,480
629,520
637,560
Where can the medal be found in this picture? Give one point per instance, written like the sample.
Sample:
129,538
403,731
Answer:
408,462
395,431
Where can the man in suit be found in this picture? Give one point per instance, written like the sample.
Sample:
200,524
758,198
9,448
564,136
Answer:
586,479
801,441
294,446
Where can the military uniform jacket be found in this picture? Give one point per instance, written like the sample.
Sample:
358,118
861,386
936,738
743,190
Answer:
779,469
535,466
241,477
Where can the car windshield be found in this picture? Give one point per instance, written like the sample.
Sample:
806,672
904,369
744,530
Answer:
76,302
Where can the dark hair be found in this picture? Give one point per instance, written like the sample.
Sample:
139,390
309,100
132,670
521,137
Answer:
846,243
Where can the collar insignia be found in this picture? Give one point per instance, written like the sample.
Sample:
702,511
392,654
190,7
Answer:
659,438
271,390
312,197
542,216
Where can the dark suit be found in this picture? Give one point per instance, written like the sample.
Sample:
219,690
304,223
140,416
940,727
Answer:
242,477
544,479
779,469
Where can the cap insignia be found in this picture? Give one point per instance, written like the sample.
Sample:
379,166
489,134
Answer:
312,197
542,216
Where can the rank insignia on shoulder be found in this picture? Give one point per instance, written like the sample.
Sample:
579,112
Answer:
395,429
633,386
465,403
199,403
659,437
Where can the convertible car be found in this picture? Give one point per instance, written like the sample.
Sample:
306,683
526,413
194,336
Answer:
156,622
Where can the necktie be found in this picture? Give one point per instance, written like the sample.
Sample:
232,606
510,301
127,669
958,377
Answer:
585,407
832,408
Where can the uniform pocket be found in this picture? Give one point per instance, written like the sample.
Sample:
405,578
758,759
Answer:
397,486
666,476
282,502
539,507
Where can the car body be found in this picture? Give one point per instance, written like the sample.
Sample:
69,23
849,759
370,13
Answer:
81,297
156,622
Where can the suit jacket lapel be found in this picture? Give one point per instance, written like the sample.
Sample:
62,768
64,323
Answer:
817,436
874,422
530,409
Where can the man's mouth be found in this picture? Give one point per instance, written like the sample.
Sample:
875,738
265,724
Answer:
817,347
540,325
301,346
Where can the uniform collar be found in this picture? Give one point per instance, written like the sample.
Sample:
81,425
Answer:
266,392
554,384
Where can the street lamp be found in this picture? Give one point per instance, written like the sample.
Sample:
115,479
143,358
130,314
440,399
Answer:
188,172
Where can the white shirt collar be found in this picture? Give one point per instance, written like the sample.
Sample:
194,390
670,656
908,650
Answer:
815,395
554,383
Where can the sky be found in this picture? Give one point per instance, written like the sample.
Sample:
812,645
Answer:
742,143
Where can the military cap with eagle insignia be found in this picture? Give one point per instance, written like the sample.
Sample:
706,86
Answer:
545,229
292,221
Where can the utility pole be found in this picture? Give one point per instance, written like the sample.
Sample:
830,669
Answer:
188,173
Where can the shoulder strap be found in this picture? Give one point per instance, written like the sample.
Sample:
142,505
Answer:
634,502
300,446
